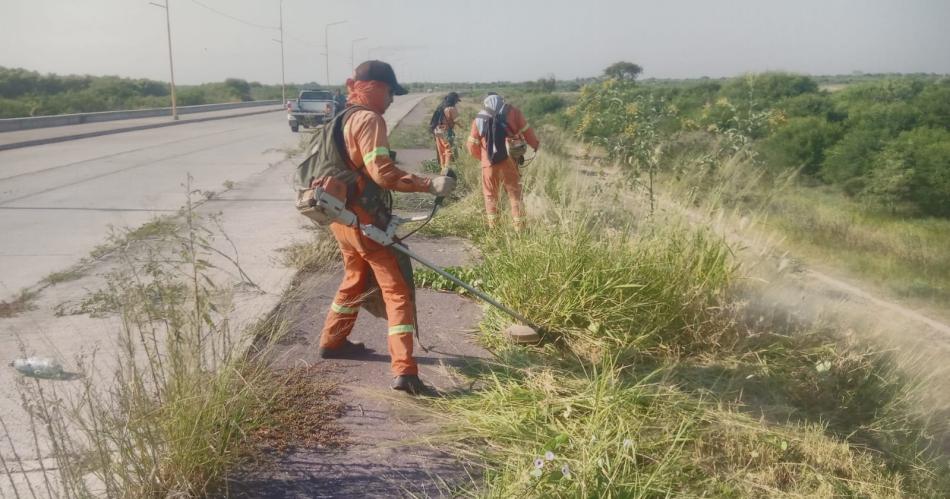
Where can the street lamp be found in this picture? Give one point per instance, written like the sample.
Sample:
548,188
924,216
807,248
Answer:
326,45
283,84
353,52
171,65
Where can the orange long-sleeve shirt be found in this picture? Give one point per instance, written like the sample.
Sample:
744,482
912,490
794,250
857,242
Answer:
518,127
368,146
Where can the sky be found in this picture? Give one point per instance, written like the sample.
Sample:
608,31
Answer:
474,41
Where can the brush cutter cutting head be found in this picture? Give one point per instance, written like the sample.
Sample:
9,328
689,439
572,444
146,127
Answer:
522,335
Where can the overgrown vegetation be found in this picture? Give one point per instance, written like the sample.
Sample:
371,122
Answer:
867,165
658,376
23,302
178,402
319,253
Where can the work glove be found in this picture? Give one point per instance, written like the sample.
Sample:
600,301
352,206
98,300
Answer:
441,186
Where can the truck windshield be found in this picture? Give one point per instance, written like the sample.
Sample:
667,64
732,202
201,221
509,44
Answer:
316,96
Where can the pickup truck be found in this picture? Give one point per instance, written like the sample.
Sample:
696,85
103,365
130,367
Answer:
311,108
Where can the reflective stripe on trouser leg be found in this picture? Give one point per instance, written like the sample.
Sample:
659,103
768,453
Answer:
400,351
340,309
400,309
343,312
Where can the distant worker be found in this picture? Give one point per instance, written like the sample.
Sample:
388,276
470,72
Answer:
364,134
442,127
498,130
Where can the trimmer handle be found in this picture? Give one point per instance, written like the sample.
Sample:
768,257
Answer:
438,200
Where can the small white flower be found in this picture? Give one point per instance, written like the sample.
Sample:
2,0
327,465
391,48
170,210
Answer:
566,471
627,443
549,456
539,463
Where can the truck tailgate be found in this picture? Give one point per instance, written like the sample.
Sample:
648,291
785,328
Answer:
313,106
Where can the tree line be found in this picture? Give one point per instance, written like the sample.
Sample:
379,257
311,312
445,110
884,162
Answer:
29,93
885,141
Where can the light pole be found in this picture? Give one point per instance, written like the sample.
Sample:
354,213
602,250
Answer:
171,64
353,52
326,46
283,84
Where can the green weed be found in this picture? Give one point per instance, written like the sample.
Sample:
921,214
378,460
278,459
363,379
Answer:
23,302
658,379
318,254
178,403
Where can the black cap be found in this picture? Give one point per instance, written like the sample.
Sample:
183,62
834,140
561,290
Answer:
379,71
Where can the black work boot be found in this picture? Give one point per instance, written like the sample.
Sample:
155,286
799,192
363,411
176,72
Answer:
409,383
349,349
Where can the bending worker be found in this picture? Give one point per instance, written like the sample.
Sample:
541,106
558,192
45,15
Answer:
367,146
442,126
497,130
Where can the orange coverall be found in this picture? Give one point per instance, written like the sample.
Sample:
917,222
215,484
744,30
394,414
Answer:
505,172
445,140
368,145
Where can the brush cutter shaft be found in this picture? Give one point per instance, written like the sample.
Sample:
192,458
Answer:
388,238
488,299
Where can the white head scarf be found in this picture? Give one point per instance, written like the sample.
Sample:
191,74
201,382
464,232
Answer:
493,105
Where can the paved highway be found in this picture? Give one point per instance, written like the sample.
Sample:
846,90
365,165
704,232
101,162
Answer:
57,201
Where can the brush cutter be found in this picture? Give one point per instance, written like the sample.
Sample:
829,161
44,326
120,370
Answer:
526,333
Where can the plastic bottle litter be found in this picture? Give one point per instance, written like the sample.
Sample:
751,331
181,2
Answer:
40,367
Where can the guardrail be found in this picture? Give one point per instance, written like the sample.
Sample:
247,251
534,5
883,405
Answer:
12,124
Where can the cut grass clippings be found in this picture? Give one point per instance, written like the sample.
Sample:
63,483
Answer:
543,431
303,412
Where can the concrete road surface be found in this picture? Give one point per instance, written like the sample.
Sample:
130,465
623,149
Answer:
57,201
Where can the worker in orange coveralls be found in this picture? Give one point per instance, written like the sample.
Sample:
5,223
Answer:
498,167
373,86
442,126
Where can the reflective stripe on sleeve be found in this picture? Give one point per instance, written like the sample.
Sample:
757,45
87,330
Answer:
370,156
525,127
402,329
340,309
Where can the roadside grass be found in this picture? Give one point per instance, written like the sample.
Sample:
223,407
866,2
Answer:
658,376
905,256
317,254
23,302
177,403
157,228
543,431
71,274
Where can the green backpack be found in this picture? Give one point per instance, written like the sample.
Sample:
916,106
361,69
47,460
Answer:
326,180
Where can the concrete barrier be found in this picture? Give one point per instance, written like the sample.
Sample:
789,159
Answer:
13,124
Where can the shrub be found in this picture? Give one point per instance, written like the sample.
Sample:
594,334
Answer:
800,143
852,156
913,172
